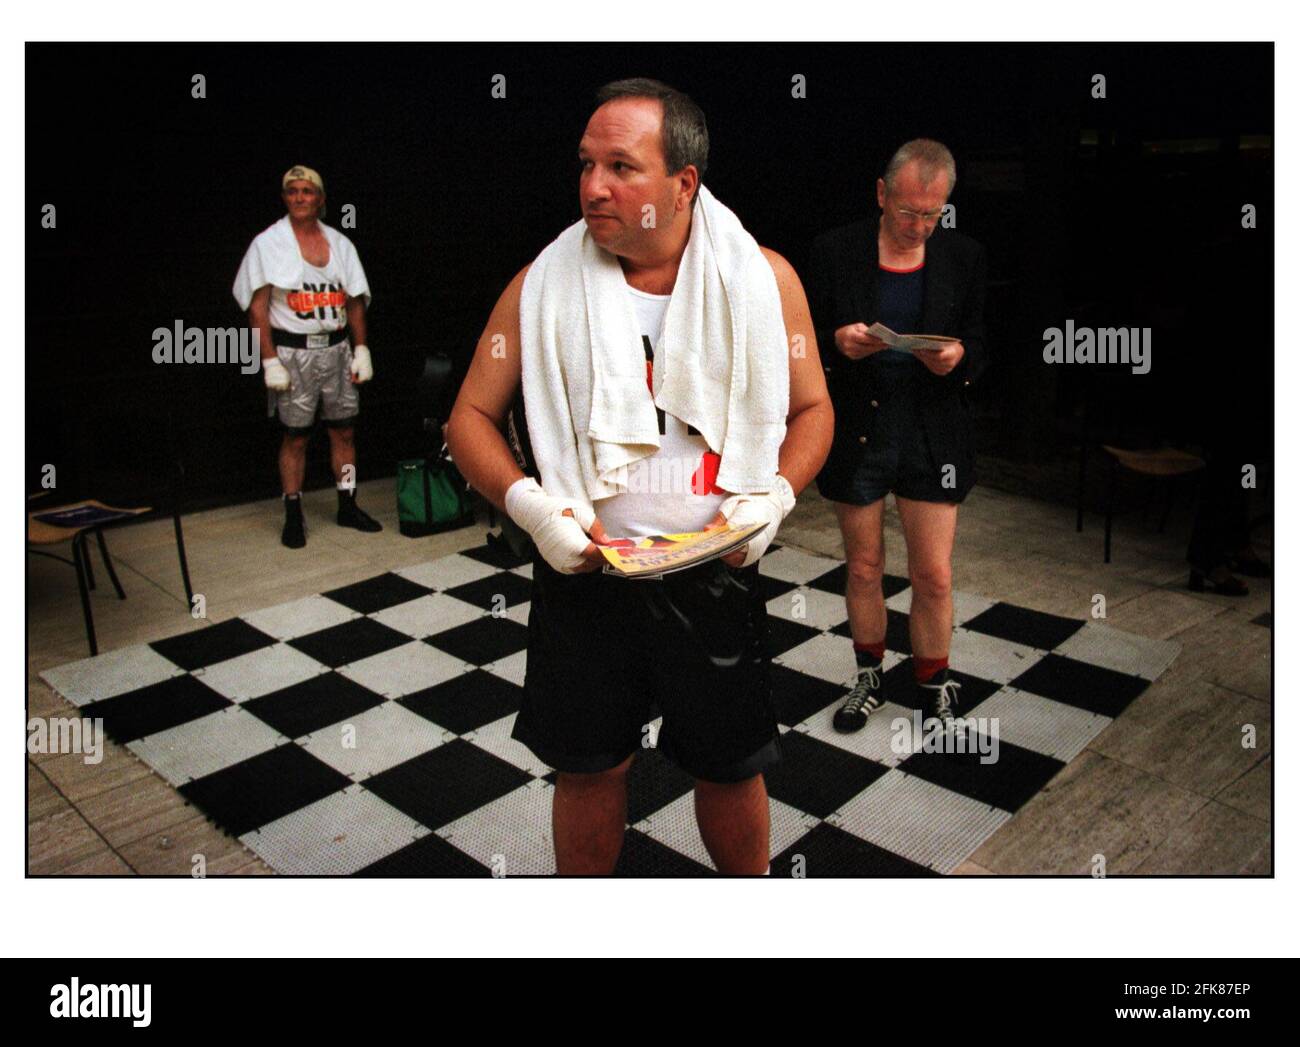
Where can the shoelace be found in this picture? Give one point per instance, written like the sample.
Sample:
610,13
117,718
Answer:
868,681
945,699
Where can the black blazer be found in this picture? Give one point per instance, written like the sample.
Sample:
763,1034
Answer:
843,289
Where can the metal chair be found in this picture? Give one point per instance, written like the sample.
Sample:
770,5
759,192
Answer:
75,523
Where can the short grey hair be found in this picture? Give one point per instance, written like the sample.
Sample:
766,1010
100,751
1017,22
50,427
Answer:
932,159
685,134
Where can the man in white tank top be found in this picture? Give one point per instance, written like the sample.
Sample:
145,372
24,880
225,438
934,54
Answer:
672,491
604,654
313,335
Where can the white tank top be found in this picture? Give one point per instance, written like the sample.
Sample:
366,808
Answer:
316,306
673,490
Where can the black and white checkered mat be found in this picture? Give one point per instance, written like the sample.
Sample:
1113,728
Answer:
367,730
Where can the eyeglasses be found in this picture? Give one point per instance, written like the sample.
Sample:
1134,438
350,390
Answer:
923,216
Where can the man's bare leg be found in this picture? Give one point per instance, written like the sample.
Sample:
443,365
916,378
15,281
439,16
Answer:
735,826
343,452
588,815
929,529
863,528
293,462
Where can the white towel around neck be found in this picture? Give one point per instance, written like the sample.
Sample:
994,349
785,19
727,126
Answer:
721,360
274,258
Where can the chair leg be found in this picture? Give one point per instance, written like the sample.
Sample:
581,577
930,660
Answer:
108,563
185,567
1083,474
1110,507
81,561
85,562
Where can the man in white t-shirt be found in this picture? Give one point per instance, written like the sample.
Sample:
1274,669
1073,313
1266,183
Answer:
306,293
605,655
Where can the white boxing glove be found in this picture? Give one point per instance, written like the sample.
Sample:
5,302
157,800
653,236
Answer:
362,371
744,510
275,375
560,539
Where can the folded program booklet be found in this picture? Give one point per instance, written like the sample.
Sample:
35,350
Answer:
908,342
660,554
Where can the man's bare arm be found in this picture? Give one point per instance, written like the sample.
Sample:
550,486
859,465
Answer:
474,431
356,310
259,319
810,422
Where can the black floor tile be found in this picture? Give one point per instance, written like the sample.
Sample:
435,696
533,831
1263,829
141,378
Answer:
446,783
1024,626
496,555
897,635
1081,684
784,635
314,703
430,856
155,708
1008,783
653,782
349,642
482,641
261,789
826,852
771,588
816,777
467,702
216,643
797,696
643,855
376,594
834,581
501,590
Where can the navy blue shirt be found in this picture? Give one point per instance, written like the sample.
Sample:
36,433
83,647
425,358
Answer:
902,293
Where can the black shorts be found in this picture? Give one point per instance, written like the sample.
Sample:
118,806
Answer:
607,655
884,448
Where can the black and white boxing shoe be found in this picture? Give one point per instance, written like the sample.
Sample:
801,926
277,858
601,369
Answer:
862,701
939,699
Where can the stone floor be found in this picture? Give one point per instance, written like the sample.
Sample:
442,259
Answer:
1168,788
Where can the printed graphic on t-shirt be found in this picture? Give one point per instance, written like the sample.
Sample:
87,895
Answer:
319,301
318,304
704,475
674,490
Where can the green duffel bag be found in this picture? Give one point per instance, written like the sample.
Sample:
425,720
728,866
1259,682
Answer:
431,497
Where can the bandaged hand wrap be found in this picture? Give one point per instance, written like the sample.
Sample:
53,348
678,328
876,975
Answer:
560,539
743,510
275,375
362,370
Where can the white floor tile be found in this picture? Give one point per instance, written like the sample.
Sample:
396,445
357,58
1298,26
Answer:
336,836
375,740
206,745
287,621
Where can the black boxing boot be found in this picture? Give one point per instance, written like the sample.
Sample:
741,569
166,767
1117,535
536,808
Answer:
862,701
351,515
939,698
293,534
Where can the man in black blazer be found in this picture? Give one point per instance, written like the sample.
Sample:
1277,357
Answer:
902,421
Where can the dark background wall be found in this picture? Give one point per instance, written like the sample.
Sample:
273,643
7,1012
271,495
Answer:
1124,211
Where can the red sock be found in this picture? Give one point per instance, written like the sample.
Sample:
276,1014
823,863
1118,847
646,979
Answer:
876,650
924,668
